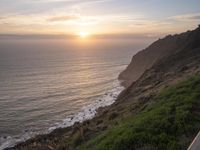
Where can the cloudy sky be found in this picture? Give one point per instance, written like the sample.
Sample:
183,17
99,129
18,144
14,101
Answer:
98,16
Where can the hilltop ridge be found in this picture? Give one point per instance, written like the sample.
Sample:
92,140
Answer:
165,47
159,109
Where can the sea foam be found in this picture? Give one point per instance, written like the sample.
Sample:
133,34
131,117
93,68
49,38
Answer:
86,113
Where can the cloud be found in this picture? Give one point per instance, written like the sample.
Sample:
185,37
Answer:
125,36
71,36
63,18
66,1
75,19
27,7
36,36
186,17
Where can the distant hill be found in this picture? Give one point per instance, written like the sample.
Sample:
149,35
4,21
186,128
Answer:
160,109
165,47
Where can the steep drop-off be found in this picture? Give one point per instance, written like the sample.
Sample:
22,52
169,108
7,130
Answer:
160,110
165,47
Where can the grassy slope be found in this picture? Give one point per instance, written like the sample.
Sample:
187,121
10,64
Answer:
165,124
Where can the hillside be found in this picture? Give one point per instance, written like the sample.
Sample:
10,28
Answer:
167,46
160,110
167,123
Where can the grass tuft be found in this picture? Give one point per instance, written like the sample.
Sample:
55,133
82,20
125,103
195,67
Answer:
165,124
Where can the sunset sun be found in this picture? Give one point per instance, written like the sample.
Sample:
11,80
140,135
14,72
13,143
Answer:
99,74
83,34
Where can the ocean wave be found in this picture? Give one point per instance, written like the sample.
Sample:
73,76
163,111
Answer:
86,113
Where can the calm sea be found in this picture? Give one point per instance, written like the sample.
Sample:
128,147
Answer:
46,84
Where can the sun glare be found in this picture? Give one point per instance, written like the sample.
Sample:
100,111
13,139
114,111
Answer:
83,34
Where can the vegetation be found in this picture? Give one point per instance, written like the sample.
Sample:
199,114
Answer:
166,123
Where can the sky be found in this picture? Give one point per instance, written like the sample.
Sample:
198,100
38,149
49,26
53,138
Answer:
98,17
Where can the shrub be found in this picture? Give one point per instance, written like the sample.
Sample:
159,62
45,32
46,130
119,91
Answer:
161,125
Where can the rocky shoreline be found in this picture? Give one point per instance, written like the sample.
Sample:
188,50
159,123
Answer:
139,95
85,115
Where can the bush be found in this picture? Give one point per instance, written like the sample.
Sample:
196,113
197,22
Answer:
161,125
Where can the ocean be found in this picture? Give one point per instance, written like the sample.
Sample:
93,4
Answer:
51,83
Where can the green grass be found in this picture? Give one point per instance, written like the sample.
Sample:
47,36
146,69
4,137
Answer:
169,122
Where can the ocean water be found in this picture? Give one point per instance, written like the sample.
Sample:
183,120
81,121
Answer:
46,84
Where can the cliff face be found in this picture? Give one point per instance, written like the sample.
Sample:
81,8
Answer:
165,47
144,116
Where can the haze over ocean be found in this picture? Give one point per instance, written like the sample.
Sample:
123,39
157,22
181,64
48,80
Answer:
43,81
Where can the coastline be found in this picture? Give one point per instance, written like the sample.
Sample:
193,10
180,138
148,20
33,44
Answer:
70,122
148,113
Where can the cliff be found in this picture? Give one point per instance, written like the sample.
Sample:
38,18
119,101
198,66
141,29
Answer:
165,47
160,110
